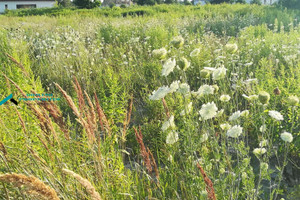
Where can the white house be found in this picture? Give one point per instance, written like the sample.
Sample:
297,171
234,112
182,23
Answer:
18,4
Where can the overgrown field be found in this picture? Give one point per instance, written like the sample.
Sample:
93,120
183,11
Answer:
179,102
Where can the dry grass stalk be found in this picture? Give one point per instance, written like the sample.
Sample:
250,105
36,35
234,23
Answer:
144,152
126,122
46,147
3,149
76,112
31,184
17,63
153,163
81,101
85,183
92,113
21,120
102,118
166,107
69,100
130,110
209,185
56,114
36,156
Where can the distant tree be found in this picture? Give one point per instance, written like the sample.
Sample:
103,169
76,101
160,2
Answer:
169,1
186,2
219,1
145,2
87,3
290,3
241,1
258,2
64,3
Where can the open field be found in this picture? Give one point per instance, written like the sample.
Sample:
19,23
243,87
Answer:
162,102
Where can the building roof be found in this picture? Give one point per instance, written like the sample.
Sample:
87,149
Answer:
24,0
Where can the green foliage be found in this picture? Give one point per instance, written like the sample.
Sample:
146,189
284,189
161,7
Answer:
110,52
293,4
258,2
87,3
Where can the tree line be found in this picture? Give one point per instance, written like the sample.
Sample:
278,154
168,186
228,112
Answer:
295,4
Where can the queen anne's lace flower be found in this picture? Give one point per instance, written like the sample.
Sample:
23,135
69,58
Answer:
259,151
235,131
225,126
160,93
205,90
172,137
168,123
208,111
286,136
195,53
245,113
184,88
235,116
168,67
159,53
219,73
174,86
276,115
224,98
187,110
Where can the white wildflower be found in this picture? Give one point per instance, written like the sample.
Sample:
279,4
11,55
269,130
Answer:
245,113
208,111
263,143
168,67
287,137
174,86
187,110
204,137
159,53
220,113
172,137
219,73
276,115
235,131
225,126
263,128
251,97
184,88
235,116
168,123
205,90
259,151
195,53
224,98
160,93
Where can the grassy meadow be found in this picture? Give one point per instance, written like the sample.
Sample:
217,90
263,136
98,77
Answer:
163,102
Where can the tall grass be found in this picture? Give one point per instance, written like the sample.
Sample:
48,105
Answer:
106,139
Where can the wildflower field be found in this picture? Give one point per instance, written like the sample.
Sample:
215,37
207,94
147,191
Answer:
163,102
